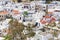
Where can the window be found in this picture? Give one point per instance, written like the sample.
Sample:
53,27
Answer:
57,10
20,18
26,7
0,15
19,0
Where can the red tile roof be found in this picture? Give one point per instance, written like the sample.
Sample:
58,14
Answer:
4,12
47,16
52,19
43,21
15,11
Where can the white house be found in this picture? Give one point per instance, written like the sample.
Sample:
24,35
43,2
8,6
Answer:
38,16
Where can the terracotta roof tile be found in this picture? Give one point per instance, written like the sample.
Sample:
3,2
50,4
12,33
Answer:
47,16
4,12
15,11
43,21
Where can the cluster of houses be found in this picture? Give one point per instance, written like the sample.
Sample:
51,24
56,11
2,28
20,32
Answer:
24,12
53,13
18,11
29,12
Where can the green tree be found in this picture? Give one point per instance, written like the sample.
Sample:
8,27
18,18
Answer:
31,34
25,13
31,0
29,28
16,30
7,37
48,1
